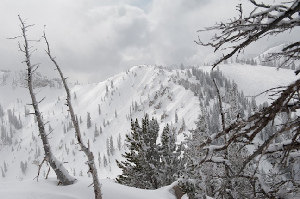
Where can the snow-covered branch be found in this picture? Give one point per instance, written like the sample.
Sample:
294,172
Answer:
242,31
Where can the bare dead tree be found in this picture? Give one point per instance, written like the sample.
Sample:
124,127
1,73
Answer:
60,171
86,149
236,35
242,31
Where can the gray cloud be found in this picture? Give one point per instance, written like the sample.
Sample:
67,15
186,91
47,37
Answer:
94,39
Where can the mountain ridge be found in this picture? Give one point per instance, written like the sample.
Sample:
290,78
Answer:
156,91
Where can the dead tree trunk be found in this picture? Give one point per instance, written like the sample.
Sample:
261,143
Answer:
86,150
60,171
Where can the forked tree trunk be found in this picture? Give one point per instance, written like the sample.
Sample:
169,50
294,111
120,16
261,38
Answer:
86,150
60,171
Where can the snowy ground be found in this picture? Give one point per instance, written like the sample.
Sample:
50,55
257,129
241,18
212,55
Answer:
47,189
139,84
253,80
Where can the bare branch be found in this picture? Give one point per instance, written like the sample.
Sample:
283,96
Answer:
60,171
86,150
243,31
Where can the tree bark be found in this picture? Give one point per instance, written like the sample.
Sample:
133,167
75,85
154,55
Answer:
60,171
86,150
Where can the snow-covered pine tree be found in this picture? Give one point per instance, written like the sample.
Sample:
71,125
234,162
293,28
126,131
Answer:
111,146
96,132
88,120
23,166
176,117
107,147
140,169
119,142
99,159
14,119
1,111
2,173
183,125
196,178
131,167
169,156
104,161
150,129
99,109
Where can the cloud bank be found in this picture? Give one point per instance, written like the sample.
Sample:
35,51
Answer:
92,39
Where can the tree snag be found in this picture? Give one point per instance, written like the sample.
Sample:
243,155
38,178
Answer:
60,171
91,160
281,147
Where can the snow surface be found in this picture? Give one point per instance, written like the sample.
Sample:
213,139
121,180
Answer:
140,84
47,189
253,80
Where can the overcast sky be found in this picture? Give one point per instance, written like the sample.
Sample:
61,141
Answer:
95,39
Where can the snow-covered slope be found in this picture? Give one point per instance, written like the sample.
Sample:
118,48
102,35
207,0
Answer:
47,189
141,90
111,104
253,80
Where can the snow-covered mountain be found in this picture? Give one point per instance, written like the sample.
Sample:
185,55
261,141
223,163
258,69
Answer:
140,90
159,92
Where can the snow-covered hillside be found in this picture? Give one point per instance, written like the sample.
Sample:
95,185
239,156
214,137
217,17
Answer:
111,104
253,80
127,95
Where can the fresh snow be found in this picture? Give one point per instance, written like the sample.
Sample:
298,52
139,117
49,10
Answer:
254,80
138,85
47,189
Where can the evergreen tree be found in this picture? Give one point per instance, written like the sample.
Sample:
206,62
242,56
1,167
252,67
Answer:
104,161
2,172
149,165
99,159
112,84
14,119
193,179
1,111
5,167
183,126
96,132
111,146
233,111
104,123
119,142
23,166
88,121
99,109
140,168
169,157
107,147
